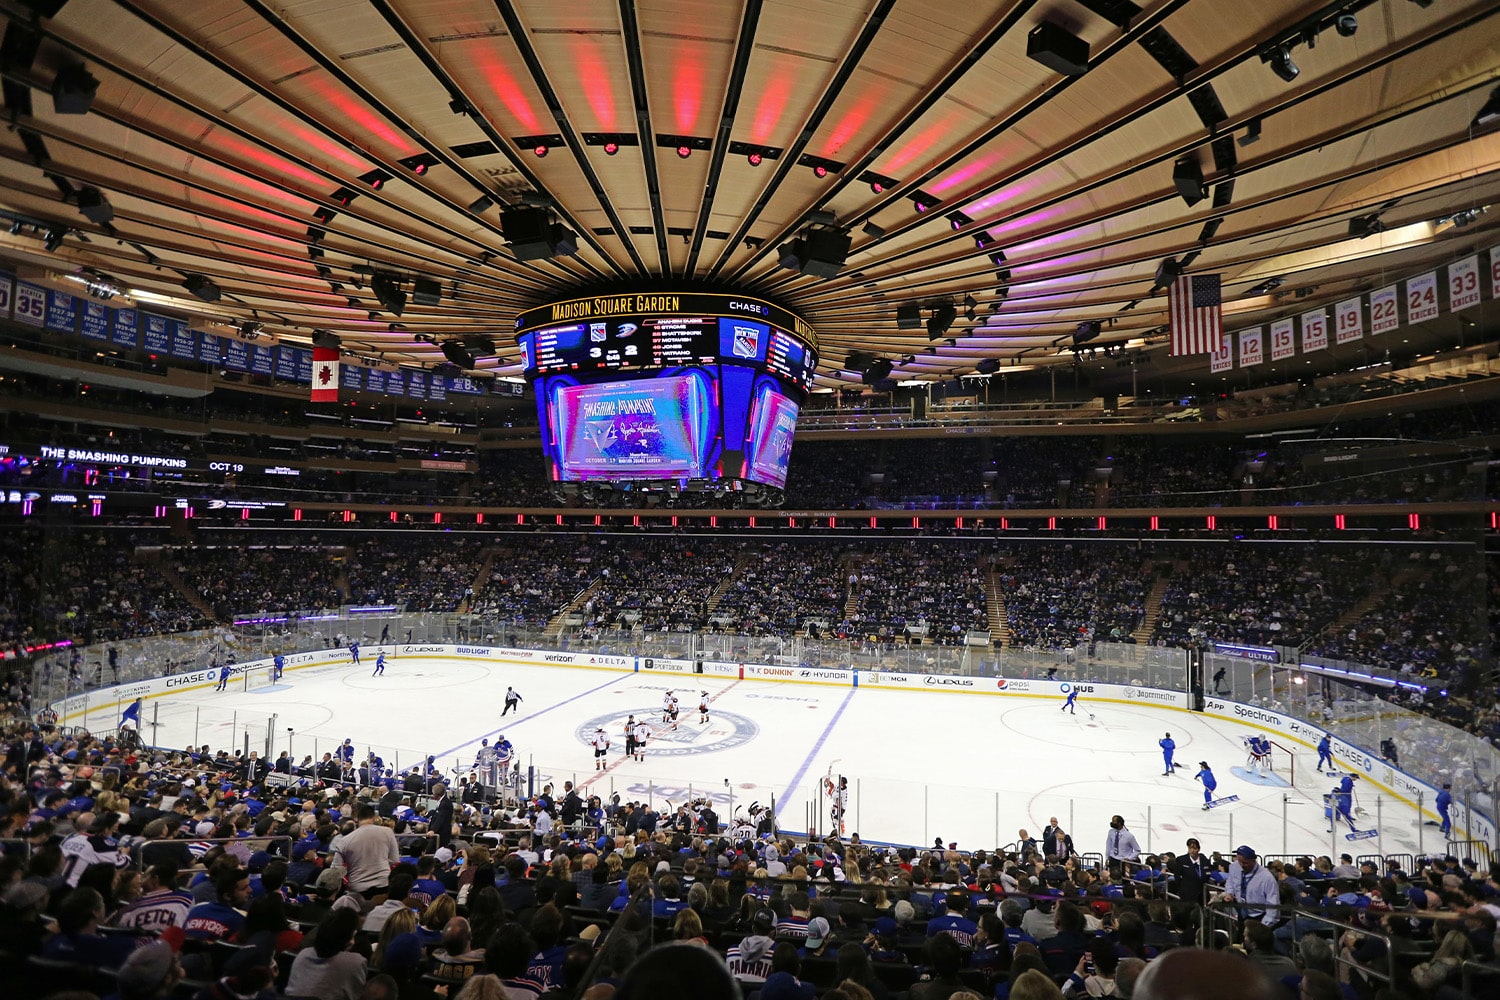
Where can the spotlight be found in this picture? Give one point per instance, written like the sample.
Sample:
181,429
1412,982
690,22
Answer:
1187,175
1279,58
541,151
458,106
958,220
820,171
15,228
1252,133
375,178
481,205
877,187
1367,225
922,201
1347,25
53,239
611,148
683,152
908,316
873,231
420,163
753,159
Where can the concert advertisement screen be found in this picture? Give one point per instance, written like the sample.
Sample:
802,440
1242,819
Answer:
768,446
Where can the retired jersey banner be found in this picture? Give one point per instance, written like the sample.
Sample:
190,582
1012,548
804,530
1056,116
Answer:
1421,298
1282,344
1463,283
1349,320
1222,359
1315,331
31,304
1494,273
1252,347
1384,316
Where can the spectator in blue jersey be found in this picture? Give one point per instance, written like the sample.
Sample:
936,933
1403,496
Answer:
1062,951
1168,747
78,938
1206,775
223,918
793,926
160,906
1011,915
954,922
509,957
669,903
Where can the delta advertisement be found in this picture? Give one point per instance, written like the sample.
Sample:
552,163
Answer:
1088,691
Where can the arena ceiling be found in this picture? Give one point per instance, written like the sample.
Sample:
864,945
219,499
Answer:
239,140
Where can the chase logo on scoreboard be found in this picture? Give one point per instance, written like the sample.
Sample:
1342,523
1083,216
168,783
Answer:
725,732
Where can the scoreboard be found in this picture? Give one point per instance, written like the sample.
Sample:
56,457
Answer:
692,389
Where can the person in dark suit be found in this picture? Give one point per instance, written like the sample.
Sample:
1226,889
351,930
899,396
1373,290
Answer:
1059,844
1190,873
26,752
442,815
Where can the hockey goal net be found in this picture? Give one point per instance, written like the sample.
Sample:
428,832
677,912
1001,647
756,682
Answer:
1284,763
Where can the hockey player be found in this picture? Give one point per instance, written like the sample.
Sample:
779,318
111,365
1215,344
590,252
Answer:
1206,775
667,701
1325,753
1168,747
1341,803
642,732
354,652
346,751
1258,753
840,800
672,712
484,763
630,737
379,665
703,708
512,702
601,748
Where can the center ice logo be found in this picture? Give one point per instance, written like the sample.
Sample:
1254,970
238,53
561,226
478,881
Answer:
725,732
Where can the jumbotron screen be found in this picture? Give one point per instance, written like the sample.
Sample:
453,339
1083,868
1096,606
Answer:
687,395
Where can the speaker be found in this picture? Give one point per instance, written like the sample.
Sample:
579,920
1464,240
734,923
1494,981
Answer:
527,232
876,371
322,338
909,317
562,240
1188,176
201,287
94,206
826,252
944,316
1058,49
987,366
73,90
1086,332
387,289
457,354
1167,272
426,292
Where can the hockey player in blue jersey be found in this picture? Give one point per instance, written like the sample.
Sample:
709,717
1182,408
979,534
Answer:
1206,775
354,652
1444,803
1325,753
379,665
224,673
1168,747
277,666
1067,706
1341,803
345,752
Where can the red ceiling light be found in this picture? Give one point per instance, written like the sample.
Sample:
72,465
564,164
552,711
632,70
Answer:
611,148
683,152
541,151
820,171
877,187
753,159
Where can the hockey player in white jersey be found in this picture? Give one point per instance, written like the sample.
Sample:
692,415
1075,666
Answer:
601,748
703,708
642,732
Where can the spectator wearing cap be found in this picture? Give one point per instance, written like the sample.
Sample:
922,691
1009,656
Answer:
249,974
818,940
750,960
224,917
23,927
329,970
1254,887
883,944
151,971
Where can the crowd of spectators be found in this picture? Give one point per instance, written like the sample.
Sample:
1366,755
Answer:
414,572
935,590
235,578
773,595
1062,596
656,584
152,874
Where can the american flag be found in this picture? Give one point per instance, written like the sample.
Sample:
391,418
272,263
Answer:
1196,314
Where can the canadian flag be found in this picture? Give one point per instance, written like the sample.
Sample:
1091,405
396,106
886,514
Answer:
325,375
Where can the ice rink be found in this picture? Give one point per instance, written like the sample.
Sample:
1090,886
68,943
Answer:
921,764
